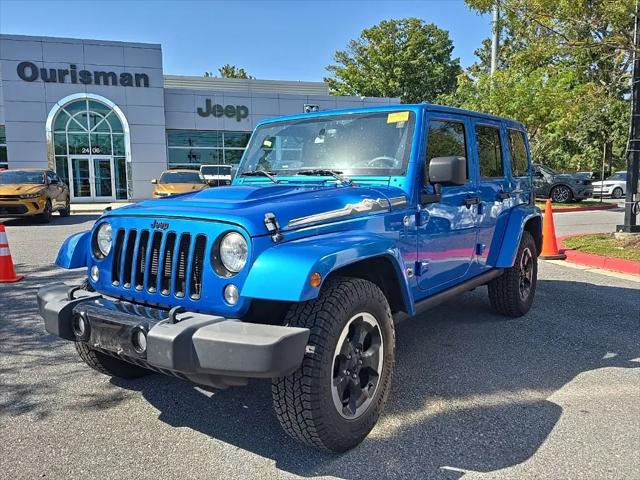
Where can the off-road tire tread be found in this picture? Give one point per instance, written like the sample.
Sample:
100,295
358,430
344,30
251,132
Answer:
295,397
503,291
109,365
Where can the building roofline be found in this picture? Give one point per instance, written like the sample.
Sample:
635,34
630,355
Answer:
86,41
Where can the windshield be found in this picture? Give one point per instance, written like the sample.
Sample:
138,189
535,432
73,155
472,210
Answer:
215,169
18,177
548,171
618,176
181,177
362,144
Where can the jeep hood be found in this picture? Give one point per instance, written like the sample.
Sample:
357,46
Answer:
294,206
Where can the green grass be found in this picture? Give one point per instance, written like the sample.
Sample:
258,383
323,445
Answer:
584,203
605,244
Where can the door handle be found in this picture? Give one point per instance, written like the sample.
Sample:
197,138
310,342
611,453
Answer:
471,201
504,195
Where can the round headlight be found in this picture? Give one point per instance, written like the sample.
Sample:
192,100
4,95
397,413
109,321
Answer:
104,239
233,252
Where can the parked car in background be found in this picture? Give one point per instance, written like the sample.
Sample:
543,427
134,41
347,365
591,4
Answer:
176,181
33,193
216,175
614,186
560,187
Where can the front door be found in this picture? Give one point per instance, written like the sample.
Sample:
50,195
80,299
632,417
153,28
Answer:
447,229
91,178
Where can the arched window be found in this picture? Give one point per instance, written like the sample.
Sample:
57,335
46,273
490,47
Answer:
89,145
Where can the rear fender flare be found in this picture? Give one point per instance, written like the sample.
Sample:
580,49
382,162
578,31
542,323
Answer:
519,217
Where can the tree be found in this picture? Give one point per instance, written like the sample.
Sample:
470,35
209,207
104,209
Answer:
230,71
405,58
564,70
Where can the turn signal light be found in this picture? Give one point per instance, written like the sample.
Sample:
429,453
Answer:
315,280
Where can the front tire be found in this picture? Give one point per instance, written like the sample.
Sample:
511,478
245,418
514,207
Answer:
66,211
108,365
45,216
336,396
512,293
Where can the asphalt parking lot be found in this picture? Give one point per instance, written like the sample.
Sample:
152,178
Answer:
475,396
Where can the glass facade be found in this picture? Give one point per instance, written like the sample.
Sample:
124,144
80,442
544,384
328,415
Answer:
192,148
3,149
88,128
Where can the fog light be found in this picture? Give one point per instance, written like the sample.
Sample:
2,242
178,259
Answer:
231,294
139,340
80,326
95,273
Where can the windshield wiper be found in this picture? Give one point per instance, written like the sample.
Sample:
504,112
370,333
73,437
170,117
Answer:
256,173
325,172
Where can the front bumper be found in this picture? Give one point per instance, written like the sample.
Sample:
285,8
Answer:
21,207
580,192
206,349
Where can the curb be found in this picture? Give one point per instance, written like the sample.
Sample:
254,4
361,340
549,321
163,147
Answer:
597,261
609,206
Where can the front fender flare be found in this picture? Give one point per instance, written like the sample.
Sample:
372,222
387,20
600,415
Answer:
73,252
513,233
282,272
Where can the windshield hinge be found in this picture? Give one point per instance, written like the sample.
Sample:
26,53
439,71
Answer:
273,227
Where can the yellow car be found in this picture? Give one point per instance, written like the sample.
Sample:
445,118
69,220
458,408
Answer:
172,182
33,193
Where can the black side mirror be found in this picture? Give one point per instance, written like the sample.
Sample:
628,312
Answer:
444,171
154,181
448,171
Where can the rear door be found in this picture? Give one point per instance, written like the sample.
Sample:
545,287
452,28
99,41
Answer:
447,229
495,187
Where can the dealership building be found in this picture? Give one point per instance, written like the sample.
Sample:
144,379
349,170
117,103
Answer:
107,119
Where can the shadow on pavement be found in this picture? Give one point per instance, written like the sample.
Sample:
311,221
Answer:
56,220
469,389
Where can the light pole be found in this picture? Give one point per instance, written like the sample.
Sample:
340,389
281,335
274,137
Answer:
632,198
495,39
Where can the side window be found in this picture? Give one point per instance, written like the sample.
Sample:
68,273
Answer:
489,152
519,161
446,139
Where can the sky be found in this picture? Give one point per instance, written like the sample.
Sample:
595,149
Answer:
276,40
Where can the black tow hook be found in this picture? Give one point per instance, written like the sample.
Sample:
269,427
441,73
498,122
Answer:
173,312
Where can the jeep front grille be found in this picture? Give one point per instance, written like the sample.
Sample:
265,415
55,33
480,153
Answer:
163,262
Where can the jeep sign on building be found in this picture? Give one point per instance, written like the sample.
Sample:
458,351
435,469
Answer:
107,119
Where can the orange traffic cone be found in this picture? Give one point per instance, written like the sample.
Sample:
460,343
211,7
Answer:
549,244
7,272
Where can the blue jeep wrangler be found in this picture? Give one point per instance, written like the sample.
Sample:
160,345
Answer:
336,224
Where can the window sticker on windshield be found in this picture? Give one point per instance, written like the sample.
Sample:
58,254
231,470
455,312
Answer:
396,117
267,143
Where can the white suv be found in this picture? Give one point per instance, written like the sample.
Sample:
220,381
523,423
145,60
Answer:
614,186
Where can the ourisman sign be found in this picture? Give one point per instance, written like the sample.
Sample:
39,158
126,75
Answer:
29,72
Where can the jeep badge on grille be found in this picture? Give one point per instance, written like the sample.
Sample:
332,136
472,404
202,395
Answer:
156,225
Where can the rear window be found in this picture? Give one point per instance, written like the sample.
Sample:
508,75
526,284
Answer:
518,150
216,170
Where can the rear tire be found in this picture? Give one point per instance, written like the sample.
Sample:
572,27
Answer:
336,396
617,193
561,194
512,293
109,365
